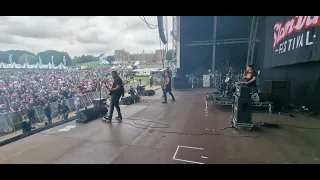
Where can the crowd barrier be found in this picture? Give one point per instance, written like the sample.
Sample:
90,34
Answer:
11,122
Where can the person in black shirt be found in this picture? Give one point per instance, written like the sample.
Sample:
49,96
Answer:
65,110
116,91
250,78
167,88
47,112
25,124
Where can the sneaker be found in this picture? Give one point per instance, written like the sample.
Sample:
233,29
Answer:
107,119
173,100
119,118
164,102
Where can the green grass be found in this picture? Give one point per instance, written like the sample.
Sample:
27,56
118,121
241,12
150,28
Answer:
143,79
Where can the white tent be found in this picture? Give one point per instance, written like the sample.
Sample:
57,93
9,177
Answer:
149,69
25,66
137,63
37,66
61,66
13,65
50,66
113,67
3,65
28,66
129,67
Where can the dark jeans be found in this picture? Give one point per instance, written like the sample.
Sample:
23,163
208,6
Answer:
114,102
49,118
165,91
65,116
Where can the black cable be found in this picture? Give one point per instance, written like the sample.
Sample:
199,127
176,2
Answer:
298,127
145,20
148,24
152,129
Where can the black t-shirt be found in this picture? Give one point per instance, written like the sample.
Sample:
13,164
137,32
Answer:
168,86
117,81
249,76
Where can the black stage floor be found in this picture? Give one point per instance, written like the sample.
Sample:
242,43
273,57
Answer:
195,136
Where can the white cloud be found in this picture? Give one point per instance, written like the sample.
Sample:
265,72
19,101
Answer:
80,35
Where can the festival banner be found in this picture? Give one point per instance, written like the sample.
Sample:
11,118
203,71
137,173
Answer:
291,40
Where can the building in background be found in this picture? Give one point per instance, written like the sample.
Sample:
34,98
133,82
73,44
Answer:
143,58
121,55
159,56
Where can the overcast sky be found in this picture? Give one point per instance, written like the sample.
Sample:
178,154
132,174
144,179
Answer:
80,35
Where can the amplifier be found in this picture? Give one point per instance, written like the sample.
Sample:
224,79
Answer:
242,110
180,83
243,91
140,88
281,88
279,92
96,102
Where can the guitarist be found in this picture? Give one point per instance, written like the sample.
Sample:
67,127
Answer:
167,87
116,91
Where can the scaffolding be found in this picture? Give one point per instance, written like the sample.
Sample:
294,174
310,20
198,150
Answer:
174,62
252,40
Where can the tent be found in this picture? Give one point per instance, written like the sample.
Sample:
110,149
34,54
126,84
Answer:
61,66
29,66
3,65
136,63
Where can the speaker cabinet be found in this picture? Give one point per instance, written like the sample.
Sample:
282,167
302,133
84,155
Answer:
88,115
130,100
242,110
279,92
180,82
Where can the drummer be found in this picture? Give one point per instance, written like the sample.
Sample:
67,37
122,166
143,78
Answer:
250,77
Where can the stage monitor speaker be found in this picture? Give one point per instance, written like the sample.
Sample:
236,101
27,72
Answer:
88,115
242,110
147,93
130,100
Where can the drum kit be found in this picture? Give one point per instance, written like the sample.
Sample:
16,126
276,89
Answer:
227,86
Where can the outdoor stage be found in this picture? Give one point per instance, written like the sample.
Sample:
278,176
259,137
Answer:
188,139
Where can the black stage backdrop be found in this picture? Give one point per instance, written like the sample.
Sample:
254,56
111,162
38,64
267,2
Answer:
291,40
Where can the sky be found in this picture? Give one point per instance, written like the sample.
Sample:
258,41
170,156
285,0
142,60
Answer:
80,35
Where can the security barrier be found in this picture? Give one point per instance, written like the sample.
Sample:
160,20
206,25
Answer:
11,122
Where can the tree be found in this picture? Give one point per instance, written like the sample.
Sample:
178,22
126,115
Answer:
75,60
46,57
110,59
87,58
4,55
32,59
169,54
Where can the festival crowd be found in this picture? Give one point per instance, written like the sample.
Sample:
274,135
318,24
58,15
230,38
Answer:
24,89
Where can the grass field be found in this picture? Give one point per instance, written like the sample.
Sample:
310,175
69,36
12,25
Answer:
143,79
